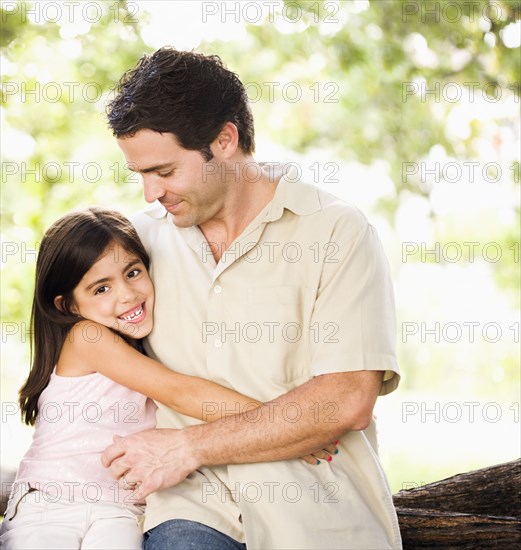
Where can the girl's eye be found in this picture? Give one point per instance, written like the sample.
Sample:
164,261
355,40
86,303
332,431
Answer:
101,289
133,273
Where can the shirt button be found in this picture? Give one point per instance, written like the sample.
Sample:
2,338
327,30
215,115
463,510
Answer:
217,289
218,344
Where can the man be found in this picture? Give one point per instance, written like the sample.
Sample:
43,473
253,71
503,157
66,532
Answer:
268,286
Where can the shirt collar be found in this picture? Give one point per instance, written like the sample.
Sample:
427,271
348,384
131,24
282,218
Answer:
156,210
292,194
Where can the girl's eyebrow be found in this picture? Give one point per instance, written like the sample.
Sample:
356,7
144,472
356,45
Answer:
106,279
98,282
131,264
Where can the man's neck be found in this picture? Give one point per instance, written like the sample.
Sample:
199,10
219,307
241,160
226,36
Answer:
246,200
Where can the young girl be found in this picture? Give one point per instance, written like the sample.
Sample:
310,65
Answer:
93,302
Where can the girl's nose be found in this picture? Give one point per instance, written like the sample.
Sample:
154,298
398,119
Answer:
127,294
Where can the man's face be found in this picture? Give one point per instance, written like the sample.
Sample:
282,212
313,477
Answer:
190,188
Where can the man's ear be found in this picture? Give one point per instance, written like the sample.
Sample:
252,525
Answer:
226,143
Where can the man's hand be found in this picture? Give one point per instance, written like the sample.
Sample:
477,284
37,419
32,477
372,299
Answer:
152,460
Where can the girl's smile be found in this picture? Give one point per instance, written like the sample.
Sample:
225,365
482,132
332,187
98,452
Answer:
135,315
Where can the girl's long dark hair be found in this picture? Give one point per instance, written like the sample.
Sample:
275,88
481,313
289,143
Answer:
68,250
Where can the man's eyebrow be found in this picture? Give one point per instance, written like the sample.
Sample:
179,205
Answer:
132,167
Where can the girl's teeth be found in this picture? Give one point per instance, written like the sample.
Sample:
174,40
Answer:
132,315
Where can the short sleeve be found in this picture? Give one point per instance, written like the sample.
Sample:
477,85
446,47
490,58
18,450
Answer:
354,317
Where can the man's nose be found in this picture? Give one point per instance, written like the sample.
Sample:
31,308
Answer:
152,188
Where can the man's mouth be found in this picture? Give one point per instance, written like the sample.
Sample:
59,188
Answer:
134,315
172,206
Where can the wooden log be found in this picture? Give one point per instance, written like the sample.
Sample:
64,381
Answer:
492,491
448,530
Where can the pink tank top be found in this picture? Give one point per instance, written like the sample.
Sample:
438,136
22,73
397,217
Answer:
77,419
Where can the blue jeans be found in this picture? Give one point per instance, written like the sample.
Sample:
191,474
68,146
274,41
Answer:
182,534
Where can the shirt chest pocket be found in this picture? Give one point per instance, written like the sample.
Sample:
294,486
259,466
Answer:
284,295
274,332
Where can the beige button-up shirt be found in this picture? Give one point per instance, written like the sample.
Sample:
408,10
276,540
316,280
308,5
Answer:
304,291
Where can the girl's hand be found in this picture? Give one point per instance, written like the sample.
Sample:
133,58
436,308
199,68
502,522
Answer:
326,454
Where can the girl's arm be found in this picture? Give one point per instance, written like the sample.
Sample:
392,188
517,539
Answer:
111,356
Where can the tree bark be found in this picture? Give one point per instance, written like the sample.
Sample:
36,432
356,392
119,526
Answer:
493,491
478,509
447,530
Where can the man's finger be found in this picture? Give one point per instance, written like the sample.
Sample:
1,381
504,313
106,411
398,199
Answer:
143,489
120,468
112,452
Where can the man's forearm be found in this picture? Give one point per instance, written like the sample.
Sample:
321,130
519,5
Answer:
292,425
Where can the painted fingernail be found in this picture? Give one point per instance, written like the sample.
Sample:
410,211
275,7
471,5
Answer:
329,458
336,442
318,462
336,451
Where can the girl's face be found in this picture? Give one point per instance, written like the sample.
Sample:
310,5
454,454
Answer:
118,293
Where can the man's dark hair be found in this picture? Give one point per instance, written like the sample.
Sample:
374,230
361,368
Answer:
188,94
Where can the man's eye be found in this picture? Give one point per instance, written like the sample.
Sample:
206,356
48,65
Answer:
133,273
101,289
166,174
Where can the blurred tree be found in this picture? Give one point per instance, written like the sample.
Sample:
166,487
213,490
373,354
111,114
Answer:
373,80
365,67
55,155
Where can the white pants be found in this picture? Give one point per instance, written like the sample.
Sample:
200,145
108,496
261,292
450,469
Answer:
33,521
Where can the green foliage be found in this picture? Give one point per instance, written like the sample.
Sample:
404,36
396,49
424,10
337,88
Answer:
369,57
359,68
56,105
